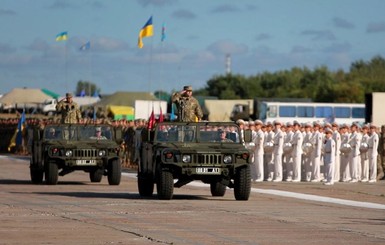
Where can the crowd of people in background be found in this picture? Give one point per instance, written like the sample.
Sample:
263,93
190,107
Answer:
313,152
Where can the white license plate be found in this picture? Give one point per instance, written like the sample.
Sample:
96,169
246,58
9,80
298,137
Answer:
208,170
85,162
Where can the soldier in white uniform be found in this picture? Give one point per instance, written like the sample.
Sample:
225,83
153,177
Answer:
372,154
296,141
241,124
345,169
287,150
316,153
251,146
268,160
364,154
337,162
329,156
278,151
258,151
308,151
354,141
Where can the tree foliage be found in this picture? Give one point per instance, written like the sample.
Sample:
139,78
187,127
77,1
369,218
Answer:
86,88
319,84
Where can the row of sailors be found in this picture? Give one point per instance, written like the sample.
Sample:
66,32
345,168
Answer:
349,152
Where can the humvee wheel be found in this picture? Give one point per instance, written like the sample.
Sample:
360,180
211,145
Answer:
114,172
242,183
36,175
165,185
145,185
51,173
96,175
217,189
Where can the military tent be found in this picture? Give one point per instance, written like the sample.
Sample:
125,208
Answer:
124,99
23,98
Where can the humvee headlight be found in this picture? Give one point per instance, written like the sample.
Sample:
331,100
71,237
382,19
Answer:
68,153
55,151
102,153
186,158
169,155
227,159
245,156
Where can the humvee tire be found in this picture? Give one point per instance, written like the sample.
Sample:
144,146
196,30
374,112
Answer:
51,173
242,184
96,175
114,172
165,185
217,189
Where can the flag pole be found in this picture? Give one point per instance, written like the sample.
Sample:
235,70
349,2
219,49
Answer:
66,64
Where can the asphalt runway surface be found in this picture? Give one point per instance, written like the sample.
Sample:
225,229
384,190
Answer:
77,211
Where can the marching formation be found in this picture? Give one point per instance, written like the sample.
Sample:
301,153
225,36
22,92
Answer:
313,152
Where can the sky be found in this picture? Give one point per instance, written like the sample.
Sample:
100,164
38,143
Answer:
258,36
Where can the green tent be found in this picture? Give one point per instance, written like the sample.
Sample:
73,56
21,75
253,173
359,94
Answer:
50,93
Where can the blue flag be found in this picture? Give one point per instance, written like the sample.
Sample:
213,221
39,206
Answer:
172,116
20,128
85,46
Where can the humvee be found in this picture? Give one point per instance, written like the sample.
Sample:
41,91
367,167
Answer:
185,152
60,149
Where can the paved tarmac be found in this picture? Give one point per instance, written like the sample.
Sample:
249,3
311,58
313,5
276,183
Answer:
77,211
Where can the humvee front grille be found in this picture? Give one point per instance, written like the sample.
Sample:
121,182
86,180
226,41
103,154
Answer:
209,158
85,153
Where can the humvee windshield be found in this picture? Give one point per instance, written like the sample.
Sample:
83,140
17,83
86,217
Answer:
197,133
77,132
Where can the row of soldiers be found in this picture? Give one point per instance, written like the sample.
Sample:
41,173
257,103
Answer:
295,152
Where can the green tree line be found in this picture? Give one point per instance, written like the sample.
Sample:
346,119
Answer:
319,84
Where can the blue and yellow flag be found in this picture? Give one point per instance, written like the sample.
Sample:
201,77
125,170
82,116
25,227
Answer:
17,138
63,36
146,31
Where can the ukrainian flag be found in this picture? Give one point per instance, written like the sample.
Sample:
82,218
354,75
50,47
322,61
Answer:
146,31
63,36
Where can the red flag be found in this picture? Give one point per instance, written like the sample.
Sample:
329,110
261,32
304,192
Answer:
161,118
151,120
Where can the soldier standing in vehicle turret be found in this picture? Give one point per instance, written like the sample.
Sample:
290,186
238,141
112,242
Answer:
188,107
69,110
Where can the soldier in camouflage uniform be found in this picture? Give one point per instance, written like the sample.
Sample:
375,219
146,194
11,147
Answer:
188,107
69,110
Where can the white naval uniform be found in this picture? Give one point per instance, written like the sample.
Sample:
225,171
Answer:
307,157
364,160
329,159
345,169
258,155
337,162
355,141
297,141
277,155
287,157
268,157
372,155
316,156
